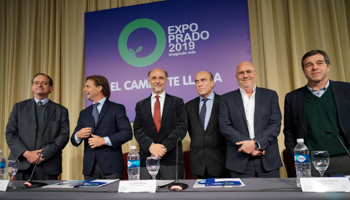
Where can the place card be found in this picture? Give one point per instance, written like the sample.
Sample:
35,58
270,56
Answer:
3,185
137,186
325,184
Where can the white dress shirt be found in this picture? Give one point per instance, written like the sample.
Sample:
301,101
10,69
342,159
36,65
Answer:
161,100
249,108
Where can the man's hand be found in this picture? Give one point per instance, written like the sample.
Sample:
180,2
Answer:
158,150
247,146
258,153
96,141
32,156
84,133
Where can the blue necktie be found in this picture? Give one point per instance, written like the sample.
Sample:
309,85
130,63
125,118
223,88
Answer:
95,113
203,111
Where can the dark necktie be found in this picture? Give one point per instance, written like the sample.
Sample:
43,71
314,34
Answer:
203,111
40,103
95,113
156,114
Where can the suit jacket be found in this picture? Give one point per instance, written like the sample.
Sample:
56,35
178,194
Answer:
21,133
173,126
294,116
267,124
113,123
208,148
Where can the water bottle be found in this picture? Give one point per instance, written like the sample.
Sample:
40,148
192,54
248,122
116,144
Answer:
2,166
302,160
133,164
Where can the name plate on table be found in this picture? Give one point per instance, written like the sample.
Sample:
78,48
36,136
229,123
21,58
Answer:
137,186
326,184
3,185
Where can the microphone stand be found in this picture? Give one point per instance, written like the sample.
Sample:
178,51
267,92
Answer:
329,132
177,186
30,183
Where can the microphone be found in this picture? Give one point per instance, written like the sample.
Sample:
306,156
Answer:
329,132
176,186
30,183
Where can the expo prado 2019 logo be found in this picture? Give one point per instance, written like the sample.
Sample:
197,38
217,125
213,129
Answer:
182,40
129,55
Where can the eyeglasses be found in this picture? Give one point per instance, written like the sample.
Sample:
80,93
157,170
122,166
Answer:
249,72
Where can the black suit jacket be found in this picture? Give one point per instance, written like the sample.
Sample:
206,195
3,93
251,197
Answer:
173,126
113,123
294,116
208,148
21,133
267,124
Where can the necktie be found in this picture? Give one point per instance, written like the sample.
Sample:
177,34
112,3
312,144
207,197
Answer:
156,114
203,111
95,113
40,103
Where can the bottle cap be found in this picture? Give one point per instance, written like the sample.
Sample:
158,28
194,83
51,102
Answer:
300,140
133,147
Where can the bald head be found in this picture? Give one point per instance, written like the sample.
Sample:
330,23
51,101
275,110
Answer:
204,83
246,76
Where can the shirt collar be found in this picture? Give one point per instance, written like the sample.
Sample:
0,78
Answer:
210,97
43,101
242,90
325,87
102,101
162,95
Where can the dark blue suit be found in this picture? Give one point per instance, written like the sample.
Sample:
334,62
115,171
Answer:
112,122
267,124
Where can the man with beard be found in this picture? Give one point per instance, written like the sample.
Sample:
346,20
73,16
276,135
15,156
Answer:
159,126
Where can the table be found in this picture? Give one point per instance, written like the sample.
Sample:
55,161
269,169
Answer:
256,188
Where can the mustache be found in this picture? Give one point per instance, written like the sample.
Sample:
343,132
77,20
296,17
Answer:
157,84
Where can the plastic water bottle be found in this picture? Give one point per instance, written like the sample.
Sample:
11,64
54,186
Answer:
2,166
133,164
302,160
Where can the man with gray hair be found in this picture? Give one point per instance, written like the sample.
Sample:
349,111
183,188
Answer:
160,125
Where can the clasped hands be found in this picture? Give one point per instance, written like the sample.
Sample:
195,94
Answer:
94,141
32,156
249,147
157,150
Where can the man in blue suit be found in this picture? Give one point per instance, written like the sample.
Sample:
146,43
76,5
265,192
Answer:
104,127
250,119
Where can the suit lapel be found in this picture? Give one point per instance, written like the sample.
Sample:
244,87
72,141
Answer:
50,110
258,104
148,111
213,115
237,97
104,109
167,104
32,117
301,108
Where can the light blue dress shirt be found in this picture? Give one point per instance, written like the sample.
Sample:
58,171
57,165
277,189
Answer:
44,101
209,105
99,108
320,92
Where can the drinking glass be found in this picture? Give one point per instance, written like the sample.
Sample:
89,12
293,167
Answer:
320,160
153,164
11,170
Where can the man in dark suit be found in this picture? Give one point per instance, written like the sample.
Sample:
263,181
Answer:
104,127
208,145
250,119
160,125
37,128
319,106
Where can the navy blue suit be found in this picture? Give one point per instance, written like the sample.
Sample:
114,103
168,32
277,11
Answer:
267,124
112,122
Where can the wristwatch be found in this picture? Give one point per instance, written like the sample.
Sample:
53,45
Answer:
257,145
